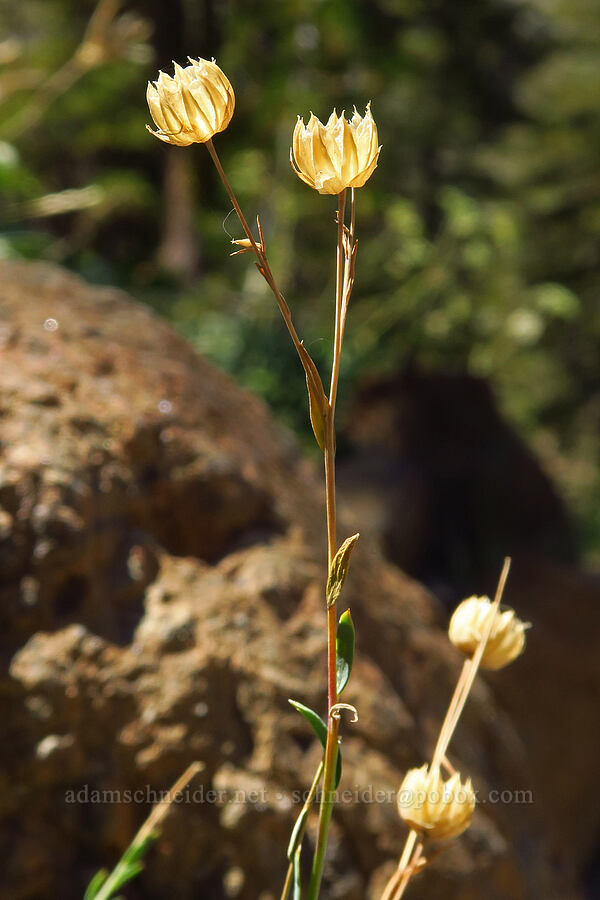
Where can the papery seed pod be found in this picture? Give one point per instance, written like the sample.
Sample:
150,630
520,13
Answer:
507,637
335,156
434,807
193,105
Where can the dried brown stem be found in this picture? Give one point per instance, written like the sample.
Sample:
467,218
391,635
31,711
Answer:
407,864
312,375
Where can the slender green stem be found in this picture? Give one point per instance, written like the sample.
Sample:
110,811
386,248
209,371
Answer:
307,805
326,812
331,749
331,529
149,826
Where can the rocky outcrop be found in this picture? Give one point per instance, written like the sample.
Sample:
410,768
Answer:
161,590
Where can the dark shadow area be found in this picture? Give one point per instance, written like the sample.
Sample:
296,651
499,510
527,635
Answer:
445,482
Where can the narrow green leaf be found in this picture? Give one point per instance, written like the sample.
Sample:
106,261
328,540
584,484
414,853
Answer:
344,648
297,829
317,399
104,885
297,895
314,720
126,873
339,570
95,884
137,850
320,729
316,417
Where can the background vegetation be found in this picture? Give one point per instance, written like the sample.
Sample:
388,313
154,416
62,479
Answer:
479,233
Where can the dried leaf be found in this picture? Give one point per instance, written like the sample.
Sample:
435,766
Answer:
339,570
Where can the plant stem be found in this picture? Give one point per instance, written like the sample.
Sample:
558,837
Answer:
467,677
265,270
288,881
452,713
344,269
409,871
331,536
396,879
326,811
406,867
339,295
330,456
331,749
307,804
149,826
215,158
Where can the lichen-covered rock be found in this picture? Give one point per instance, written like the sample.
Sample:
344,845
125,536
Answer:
162,568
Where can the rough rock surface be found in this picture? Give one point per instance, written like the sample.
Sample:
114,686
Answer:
161,553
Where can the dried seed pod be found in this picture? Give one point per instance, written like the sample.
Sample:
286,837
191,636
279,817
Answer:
434,807
193,105
338,155
507,637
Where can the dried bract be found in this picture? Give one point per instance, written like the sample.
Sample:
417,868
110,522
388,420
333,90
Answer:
507,637
434,807
193,105
339,155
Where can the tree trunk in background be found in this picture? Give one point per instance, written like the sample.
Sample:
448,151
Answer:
181,28
179,250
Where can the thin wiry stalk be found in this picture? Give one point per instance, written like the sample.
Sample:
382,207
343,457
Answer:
409,871
111,884
265,270
395,881
411,855
467,677
339,299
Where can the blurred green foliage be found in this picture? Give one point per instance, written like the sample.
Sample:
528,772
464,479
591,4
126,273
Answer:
479,232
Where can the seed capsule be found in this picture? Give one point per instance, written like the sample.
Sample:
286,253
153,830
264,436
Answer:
335,156
434,807
507,637
193,105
